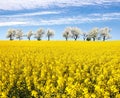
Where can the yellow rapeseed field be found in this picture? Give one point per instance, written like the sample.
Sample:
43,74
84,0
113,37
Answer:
59,69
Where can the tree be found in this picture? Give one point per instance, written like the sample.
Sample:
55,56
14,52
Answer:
11,34
94,33
105,33
19,34
88,38
84,34
39,34
29,34
75,33
66,33
50,33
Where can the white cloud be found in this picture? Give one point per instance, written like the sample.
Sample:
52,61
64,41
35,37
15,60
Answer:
96,17
81,19
106,16
41,13
115,14
31,4
33,14
11,23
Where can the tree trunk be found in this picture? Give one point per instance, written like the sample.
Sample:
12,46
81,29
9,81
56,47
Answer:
75,38
66,39
103,38
48,38
28,38
84,39
11,38
38,39
93,39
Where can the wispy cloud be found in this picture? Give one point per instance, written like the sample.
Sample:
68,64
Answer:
33,14
106,16
96,17
31,4
12,23
81,19
115,14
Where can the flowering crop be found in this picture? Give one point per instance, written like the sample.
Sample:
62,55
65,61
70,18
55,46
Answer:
59,69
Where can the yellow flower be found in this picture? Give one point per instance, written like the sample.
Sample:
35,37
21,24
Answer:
60,69
4,95
34,93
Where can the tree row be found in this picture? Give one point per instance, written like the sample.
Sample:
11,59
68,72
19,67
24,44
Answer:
69,32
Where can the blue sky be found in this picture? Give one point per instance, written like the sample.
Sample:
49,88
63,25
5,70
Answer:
58,14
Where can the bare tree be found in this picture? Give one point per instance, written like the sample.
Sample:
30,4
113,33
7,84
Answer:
94,33
29,34
11,34
75,33
39,34
19,34
50,33
105,33
66,33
